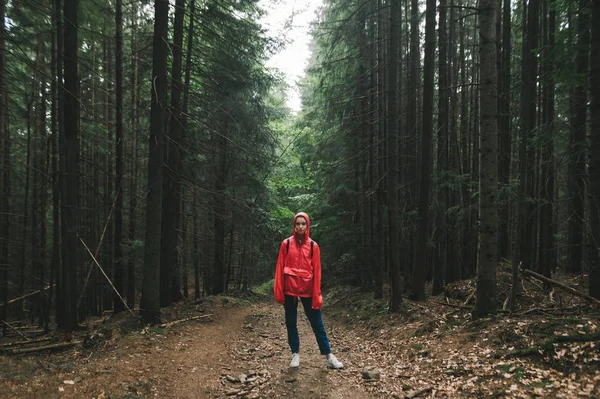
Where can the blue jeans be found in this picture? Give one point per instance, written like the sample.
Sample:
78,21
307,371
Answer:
316,322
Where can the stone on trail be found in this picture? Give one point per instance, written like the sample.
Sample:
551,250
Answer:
371,373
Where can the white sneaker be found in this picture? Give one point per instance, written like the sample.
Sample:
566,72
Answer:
333,363
295,360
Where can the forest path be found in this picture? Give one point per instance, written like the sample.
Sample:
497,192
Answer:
238,349
245,353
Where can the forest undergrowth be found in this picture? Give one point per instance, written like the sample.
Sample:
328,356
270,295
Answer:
236,346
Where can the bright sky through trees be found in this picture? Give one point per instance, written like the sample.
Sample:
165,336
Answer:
290,19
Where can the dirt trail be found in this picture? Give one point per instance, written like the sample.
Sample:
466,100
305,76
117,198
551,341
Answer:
262,345
251,343
191,360
241,351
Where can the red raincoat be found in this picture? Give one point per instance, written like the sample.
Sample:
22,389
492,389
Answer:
297,272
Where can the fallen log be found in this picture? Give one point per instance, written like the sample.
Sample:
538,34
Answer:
43,348
555,283
172,323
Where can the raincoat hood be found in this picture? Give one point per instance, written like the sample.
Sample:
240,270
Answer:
305,216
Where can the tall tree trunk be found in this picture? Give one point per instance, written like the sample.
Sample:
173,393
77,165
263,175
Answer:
594,170
577,144
184,260
23,257
60,109
39,229
364,139
229,273
441,238
396,273
172,182
34,169
419,267
454,196
5,176
71,166
374,177
150,302
108,175
528,123
119,144
56,238
413,129
133,174
504,131
547,261
186,91
381,154
456,270
485,302
218,283
196,251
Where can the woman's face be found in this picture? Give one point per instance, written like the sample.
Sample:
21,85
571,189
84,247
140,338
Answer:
301,226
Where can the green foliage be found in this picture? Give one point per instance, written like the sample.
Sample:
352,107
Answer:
265,288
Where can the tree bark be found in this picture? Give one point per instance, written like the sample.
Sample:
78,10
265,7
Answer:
60,183
504,131
364,167
456,272
420,265
133,174
594,170
195,251
106,156
577,145
528,121
70,186
381,154
172,181
6,170
119,145
23,257
218,278
54,178
485,302
396,275
547,261
441,238
150,302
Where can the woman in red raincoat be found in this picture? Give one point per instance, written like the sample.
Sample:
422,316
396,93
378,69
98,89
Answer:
298,278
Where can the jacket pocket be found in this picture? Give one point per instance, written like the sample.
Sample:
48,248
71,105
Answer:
304,273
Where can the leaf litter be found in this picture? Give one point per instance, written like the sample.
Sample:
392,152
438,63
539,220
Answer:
548,348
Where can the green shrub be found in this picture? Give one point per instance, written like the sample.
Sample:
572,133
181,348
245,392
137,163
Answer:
265,288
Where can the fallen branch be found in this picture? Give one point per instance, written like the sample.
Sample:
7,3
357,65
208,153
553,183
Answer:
43,348
17,343
89,274
172,323
469,308
15,300
466,302
418,392
14,329
562,286
102,270
549,344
